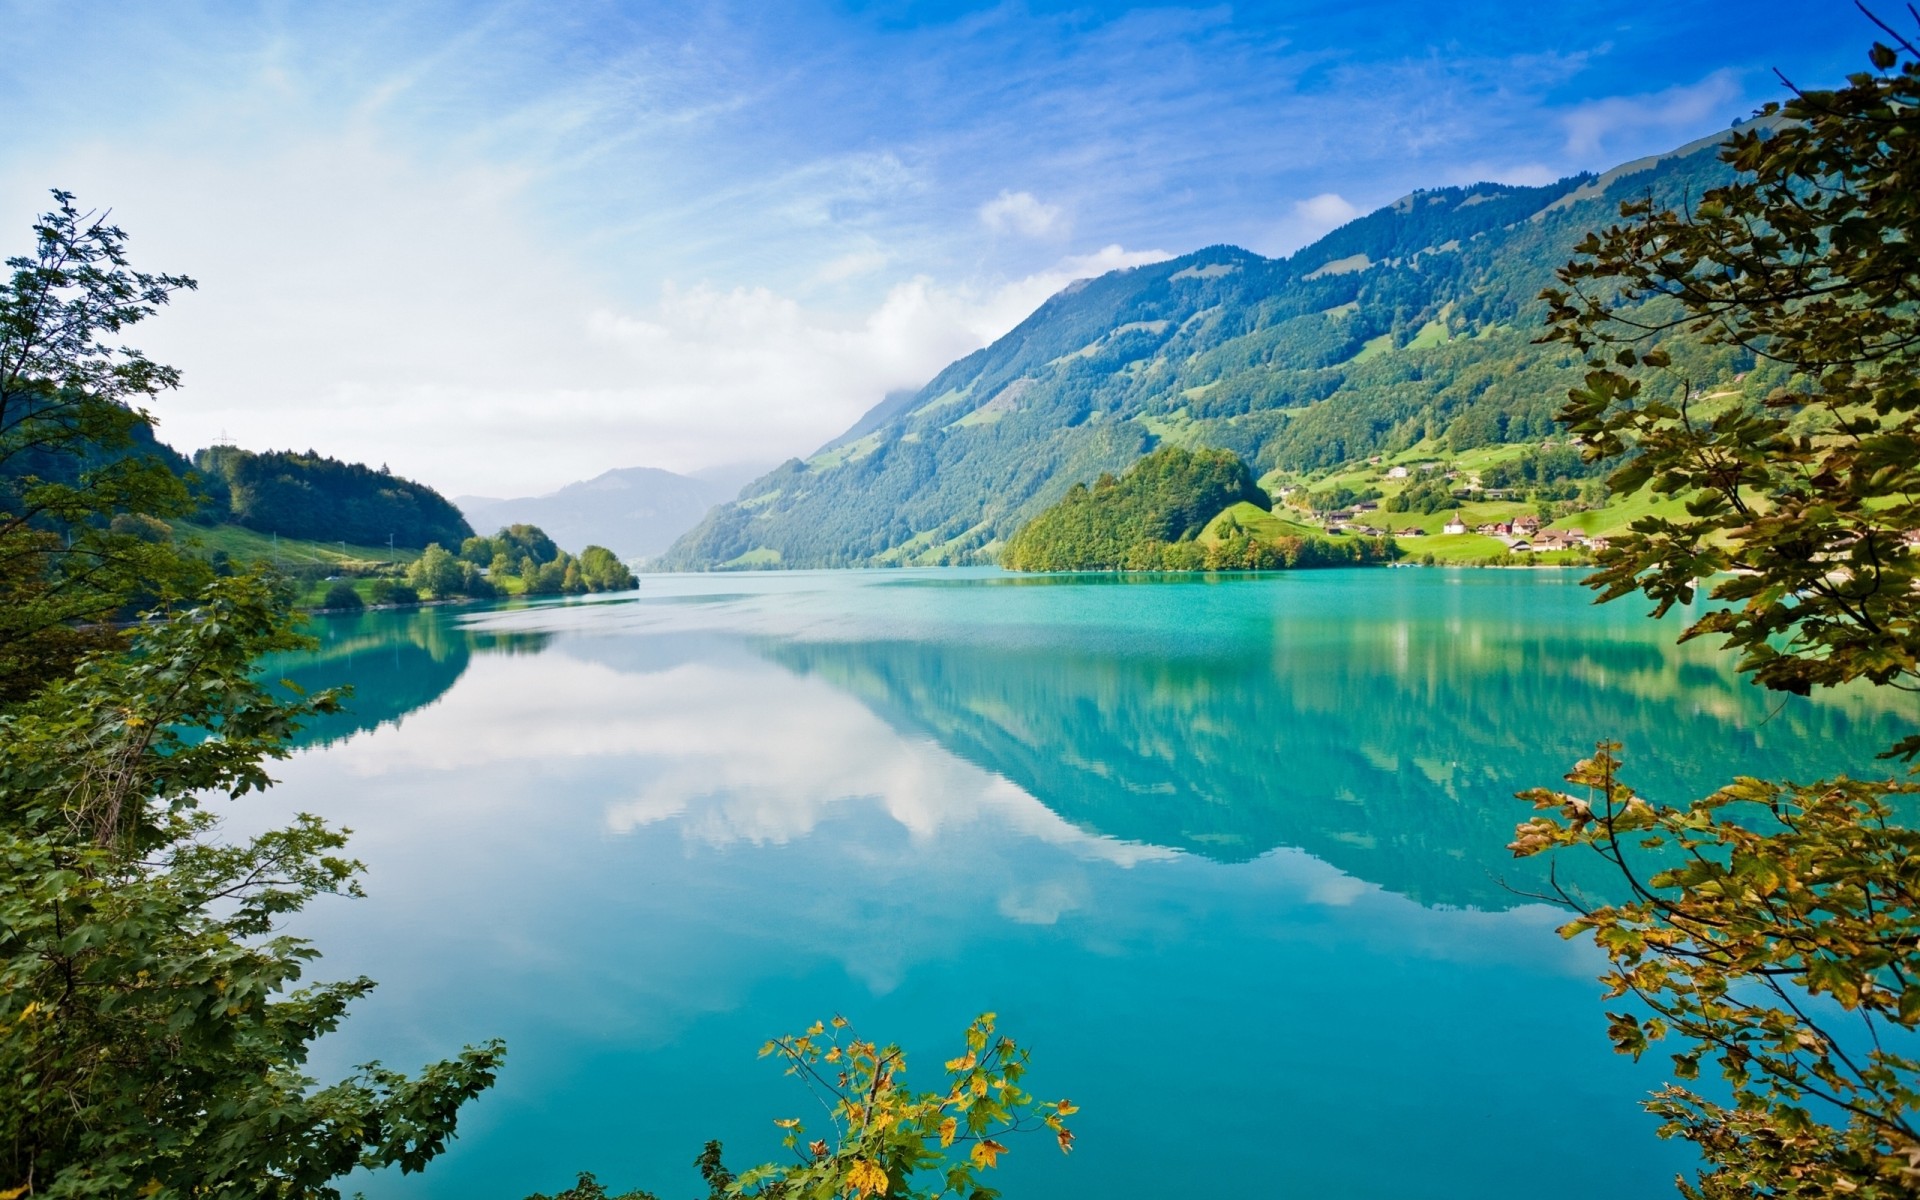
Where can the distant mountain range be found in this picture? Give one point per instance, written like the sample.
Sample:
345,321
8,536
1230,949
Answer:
636,512
1413,325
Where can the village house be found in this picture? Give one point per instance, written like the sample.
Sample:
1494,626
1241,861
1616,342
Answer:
1396,473
1412,531
1455,524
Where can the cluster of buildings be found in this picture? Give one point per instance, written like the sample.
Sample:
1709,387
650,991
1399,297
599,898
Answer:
1524,535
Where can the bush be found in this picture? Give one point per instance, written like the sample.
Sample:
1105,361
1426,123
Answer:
140,525
388,591
342,595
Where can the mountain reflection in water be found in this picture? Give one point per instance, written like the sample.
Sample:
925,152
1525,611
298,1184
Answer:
1266,817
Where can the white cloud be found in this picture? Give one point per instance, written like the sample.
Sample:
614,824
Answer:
1680,111
852,265
1307,220
812,754
418,319
1021,213
1328,210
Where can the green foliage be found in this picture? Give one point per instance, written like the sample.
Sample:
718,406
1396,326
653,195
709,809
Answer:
1540,468
151,1037
439,574
1426,497
1772,929
1779,898
588,1188
152,1034
1149,519
312,496
881,1134
1805,260
69,442
1341,496
543,569
1168,496
602,571
342,595
387,591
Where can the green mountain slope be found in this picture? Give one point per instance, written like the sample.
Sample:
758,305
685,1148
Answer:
1412,324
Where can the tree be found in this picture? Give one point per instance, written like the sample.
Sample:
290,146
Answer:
1771,930
152,1033
1806,259
435,572
67,429
881,1135
151,1037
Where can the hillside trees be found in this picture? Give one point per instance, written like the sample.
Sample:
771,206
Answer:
1167,496
525,553
313,496
1769,929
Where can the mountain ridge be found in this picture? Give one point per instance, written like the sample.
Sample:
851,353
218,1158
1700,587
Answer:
1412,323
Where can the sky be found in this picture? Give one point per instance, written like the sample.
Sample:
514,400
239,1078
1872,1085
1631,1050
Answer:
501,247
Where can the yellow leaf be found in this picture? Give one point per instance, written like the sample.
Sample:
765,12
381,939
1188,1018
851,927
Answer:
1066,1108
964,1063
948,1128
1066,1140
839,1022
16,1193
866,1177
986,1152
788,1122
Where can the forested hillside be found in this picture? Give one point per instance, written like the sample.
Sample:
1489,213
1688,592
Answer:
312,496
1414,323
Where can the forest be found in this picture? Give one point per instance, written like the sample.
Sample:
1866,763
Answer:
1150,518
316,497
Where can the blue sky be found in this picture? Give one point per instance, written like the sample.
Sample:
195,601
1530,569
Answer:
505,246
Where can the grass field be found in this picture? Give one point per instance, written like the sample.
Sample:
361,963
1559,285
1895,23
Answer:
245,545
1257,522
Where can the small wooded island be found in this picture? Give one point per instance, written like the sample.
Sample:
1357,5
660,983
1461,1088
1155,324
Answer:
1180,510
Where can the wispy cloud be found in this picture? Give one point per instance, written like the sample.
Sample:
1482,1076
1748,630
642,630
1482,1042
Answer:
1678,112
412,217
1019,212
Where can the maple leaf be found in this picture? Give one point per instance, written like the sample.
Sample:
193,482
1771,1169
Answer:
987,1152
866,1177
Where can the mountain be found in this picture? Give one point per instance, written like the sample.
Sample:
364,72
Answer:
1413,324
636,512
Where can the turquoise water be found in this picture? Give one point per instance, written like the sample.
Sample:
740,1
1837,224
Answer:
1227,854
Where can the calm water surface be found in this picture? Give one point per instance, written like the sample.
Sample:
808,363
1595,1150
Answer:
1228,855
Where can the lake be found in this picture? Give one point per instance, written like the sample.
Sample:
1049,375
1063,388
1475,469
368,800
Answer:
1227,854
